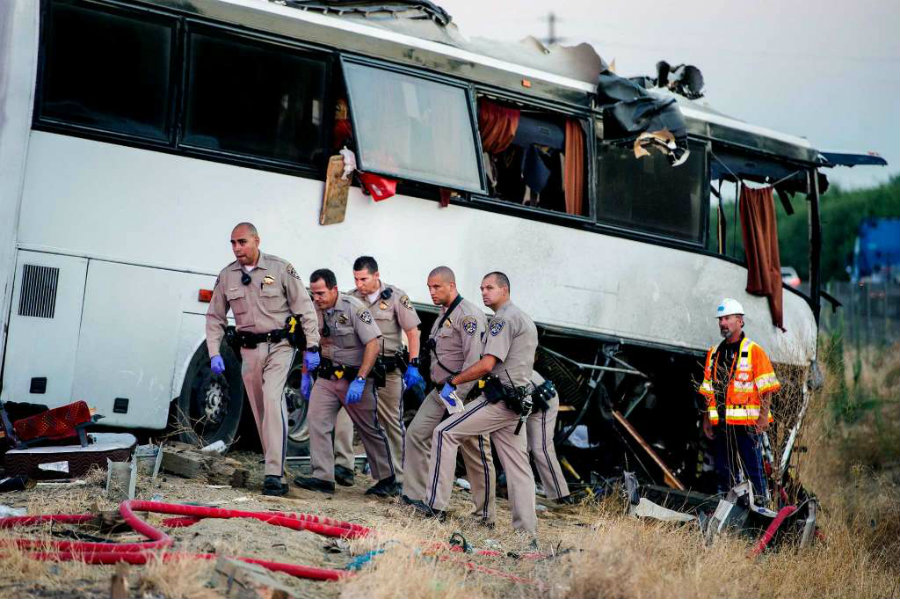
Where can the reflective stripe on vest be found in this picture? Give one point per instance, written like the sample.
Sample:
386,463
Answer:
742,398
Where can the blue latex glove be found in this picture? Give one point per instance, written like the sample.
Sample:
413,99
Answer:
445,393
311,360
217,365
411,377
354,393
306,384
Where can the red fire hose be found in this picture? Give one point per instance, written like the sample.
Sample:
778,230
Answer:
140,553
772,529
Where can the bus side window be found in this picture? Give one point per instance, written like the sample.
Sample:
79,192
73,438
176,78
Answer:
108,69
648,194
253,98
533,157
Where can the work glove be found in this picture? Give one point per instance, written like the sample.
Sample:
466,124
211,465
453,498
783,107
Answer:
355,391
446,393
306,384
411,377
217,365
311,360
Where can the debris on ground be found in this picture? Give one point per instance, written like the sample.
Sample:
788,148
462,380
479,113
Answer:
210,467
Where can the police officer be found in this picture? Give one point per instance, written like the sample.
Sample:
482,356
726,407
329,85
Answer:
394,314
738,384
262,291
541,425
508,355
454,344
350,345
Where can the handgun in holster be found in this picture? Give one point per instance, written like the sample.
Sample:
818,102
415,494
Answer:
379,372
295,335
232,339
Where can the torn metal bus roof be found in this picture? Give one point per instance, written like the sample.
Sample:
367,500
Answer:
420,34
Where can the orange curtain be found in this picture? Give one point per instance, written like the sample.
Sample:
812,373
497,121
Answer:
573,178
760,232
497,125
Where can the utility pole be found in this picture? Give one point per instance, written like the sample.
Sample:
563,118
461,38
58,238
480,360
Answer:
551,25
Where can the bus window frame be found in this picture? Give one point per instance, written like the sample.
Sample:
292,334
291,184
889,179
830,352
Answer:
83,130
532,212
467,87
655,237
325,56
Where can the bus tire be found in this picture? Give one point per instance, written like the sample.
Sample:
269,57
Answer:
296,406
210,406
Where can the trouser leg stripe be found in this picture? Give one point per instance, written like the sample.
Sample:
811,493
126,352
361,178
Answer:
437,460
380,431
547,454
487,478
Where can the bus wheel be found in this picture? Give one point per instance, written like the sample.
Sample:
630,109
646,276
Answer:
298,429
209,407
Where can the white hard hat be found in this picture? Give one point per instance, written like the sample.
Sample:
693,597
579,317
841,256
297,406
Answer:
729,306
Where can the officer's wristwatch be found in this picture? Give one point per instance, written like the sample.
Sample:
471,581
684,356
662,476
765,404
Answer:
414,362
315,349
361,378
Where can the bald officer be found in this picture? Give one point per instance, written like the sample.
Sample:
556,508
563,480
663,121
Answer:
394,314
262,291
508,357
350,344
454,344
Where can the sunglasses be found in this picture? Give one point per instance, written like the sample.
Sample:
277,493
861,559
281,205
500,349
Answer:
245,278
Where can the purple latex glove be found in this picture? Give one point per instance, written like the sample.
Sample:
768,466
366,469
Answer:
217,365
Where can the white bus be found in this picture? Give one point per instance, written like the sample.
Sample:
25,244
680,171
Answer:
136,133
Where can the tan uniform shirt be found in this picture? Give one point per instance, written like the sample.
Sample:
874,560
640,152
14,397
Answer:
512,338
458,343
393,315
350,326
275,292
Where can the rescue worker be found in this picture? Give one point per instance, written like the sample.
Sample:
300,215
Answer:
394,314
738,383
508,357
541,425
454,344
350,345
262,291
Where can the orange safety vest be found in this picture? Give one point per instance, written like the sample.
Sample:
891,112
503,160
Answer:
751,377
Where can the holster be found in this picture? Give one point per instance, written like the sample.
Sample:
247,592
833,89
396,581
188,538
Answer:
231,338
379,372
294,332
494,392
542,395
335,372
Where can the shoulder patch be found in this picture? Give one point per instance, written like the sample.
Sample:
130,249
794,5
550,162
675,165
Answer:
497,326
404,301
365,316
470,325
291,271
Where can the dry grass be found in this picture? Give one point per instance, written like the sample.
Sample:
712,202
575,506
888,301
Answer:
852,433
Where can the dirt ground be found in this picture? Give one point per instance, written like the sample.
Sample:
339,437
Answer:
393,523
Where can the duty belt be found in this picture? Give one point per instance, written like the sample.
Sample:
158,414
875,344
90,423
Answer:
251,340
335,372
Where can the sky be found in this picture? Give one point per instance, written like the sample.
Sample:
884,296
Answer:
823,70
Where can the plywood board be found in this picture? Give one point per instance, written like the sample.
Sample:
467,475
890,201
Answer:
334,201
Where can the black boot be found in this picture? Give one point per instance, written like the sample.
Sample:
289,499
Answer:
423,509
273,486
315,484
567,500
343,476
386,487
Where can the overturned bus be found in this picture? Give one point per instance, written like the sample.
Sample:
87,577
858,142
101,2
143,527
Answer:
137,132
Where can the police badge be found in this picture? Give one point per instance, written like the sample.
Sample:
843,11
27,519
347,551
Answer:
383,305
268,280
342,318
365,316
496,327
470,325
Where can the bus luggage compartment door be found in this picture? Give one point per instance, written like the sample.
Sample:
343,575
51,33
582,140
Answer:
45,318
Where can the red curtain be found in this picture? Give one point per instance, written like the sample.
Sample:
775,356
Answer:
760,232
497,125
573,178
